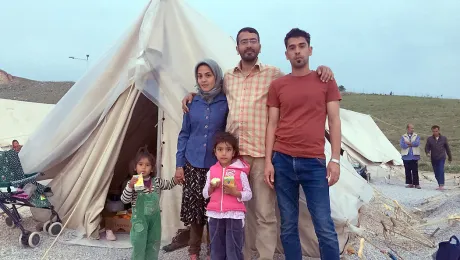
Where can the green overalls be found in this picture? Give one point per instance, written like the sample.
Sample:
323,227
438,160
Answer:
146,227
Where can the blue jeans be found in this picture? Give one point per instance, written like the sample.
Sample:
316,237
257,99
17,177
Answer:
227,238
438,168
310,173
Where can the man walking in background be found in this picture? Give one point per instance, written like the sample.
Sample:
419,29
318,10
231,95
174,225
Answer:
438,146
410,152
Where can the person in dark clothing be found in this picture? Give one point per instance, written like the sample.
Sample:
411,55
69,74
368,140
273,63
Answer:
436,148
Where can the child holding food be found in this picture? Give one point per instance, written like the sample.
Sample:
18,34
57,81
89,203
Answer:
227,186
142,191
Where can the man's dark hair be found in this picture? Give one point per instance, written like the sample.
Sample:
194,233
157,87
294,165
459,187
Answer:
15,141
249,30
435,127
296,33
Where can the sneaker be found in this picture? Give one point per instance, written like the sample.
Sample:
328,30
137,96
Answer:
409,186
418,187
110,235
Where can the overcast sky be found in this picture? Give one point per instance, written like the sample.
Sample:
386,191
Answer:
408,47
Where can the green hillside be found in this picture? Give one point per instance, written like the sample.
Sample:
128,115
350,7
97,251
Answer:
392,113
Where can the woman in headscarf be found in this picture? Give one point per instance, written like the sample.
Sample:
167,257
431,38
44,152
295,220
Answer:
207,116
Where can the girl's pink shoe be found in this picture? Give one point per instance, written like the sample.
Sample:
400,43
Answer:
193,257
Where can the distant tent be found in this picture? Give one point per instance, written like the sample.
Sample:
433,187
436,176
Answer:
19,119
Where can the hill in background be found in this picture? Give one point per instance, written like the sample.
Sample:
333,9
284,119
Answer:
391,113
17,88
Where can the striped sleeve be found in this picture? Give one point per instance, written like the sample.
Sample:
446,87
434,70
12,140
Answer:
127,195
162,184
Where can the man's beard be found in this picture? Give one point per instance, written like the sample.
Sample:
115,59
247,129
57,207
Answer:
249,58
299,65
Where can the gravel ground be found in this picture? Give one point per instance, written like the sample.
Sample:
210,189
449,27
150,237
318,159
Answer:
424,205
11,249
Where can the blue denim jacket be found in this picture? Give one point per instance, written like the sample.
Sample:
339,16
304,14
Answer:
196,138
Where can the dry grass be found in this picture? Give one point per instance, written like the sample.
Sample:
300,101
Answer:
392,113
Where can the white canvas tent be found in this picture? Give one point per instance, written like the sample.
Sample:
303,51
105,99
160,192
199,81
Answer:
363,142
132,98
18,119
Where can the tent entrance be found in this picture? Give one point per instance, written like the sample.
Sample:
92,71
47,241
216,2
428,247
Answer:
142,130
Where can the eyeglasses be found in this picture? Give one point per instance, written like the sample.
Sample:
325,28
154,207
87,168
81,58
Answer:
247,41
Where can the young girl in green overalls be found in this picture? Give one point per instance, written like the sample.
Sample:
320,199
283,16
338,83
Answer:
146,219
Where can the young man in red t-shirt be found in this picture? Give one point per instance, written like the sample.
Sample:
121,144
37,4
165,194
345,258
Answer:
299,104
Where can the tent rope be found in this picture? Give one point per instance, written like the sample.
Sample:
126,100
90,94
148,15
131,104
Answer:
86,187
378,119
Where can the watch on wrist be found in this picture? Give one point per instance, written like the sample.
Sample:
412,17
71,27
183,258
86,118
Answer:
335,161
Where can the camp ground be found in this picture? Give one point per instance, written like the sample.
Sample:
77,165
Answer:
132,97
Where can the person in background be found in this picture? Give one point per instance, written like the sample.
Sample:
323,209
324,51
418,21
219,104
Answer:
16,146
436,148
195,155
410,152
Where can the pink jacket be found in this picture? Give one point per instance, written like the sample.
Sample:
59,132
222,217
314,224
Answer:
219,201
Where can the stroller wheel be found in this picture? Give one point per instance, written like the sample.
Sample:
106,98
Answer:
34,239
46,226
9,222
55,229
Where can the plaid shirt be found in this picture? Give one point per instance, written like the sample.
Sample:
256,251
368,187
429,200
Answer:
247,101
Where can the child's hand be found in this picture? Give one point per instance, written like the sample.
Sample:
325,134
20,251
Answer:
215,182
231,190
132,182
179,175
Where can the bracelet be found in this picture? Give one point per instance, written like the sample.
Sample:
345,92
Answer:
335,161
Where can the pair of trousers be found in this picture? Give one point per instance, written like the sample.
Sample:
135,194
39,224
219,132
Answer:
227,238
411,168
196,237
310,174
438,168
260,208
145,232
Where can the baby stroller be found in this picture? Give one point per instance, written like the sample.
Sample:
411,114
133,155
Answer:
17,190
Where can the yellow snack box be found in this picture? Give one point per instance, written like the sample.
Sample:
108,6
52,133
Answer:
229,180
139,185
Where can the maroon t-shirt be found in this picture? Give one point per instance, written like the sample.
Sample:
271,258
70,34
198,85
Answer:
302,102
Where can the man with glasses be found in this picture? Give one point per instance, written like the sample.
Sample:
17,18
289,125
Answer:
246,86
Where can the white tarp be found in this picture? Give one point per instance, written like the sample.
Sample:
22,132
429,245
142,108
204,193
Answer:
81,138
18,119
361,135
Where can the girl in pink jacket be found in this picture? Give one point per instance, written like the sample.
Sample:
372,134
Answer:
227,186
